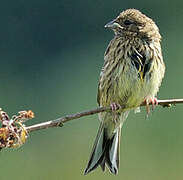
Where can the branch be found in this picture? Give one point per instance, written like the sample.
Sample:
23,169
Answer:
60,121
14,133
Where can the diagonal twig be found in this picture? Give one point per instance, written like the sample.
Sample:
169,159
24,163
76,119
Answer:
60,121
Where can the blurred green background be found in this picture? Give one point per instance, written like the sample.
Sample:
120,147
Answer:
51,53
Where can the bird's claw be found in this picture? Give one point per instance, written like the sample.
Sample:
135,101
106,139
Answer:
153,101
115,106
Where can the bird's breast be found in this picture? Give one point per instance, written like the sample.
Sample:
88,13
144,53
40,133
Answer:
127,77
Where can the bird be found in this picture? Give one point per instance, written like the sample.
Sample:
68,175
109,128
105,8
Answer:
132,74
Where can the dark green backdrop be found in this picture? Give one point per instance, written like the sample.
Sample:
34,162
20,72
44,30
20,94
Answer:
51,53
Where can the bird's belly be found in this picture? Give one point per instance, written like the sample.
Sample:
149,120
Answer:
127,88
132,91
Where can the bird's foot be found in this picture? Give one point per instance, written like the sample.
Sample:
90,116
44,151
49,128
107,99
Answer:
115,106
153,101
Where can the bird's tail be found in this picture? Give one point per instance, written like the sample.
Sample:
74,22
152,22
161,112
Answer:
105,150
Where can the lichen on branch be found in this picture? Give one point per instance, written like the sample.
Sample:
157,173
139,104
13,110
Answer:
12,132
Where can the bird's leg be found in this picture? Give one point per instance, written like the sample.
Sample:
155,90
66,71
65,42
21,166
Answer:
115,106
152,101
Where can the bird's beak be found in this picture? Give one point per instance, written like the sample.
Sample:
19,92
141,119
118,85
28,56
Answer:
112,25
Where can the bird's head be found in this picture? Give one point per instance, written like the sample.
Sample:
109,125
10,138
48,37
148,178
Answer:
132,22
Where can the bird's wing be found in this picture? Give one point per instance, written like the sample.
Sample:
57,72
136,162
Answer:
141,62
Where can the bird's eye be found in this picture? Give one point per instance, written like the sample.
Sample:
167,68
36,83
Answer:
128,22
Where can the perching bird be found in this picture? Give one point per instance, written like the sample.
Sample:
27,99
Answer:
132,73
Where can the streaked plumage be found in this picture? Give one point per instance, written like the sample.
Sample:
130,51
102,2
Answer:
132,72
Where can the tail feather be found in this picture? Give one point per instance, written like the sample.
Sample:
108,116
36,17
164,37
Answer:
97,154
105,151
102,164
112,152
